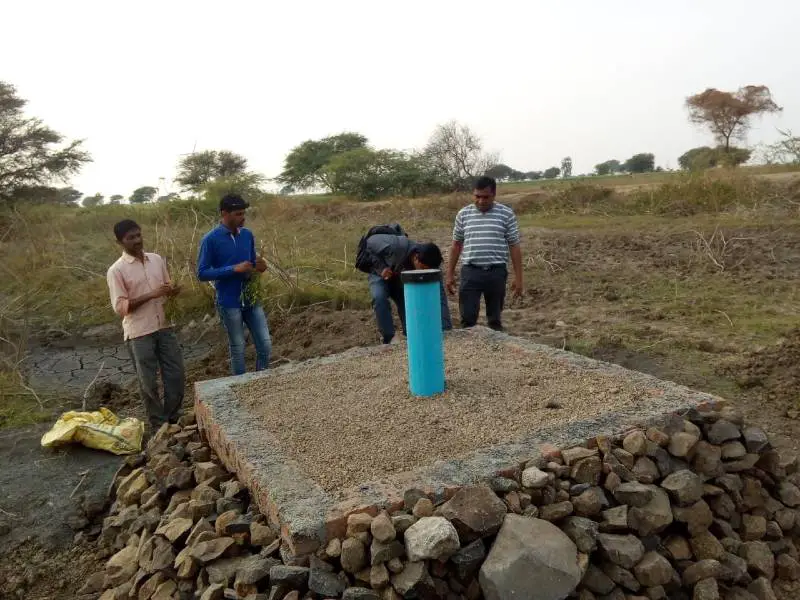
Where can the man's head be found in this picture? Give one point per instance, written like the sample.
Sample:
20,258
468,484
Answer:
129,236
484,191
427,256
232,208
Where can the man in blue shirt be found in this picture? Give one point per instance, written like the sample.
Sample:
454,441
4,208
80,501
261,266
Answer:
228,258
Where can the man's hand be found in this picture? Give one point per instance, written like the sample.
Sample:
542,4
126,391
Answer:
387,274
517,288
261,264
161,291
450,284
174,290
243,267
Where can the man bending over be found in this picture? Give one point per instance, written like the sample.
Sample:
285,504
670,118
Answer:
390,255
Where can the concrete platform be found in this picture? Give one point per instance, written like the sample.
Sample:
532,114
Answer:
268,448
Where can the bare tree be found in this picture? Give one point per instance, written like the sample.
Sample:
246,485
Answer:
727,114
788,147
456,155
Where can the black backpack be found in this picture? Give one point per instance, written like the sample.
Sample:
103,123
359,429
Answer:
363,260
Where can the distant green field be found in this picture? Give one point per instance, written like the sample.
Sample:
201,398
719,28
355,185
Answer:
637,179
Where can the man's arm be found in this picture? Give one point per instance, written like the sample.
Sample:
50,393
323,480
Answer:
516,261
455,253
380,254
513,239
258,261
120,302
174,290
206,271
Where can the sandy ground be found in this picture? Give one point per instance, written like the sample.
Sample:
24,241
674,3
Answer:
355,420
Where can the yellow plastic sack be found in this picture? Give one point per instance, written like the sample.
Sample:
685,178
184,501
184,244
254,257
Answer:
100,429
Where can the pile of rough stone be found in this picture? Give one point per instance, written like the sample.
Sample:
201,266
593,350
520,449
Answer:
700,508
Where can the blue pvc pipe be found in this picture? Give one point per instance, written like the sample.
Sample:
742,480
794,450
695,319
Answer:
424,331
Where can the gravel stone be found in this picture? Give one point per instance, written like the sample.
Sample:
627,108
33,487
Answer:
653,570
704,569
615,519
430,538
423,508
480,408
533,477
759,558
622,577
597,581
789,494
475,512
787,568
755,440
684,487
723,431
590,502
583,532
635,443
469,559
733,451
353,556
402,522
706,546
646,470
761,588
698,516
622,550
634,493
678,548
382,528
556,512
653,517
706,589
681,444
753,528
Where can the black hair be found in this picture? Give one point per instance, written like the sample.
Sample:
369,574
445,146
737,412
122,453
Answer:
123,227
485,182
430,255
232,202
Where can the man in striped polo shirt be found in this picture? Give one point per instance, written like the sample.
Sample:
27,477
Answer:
484,236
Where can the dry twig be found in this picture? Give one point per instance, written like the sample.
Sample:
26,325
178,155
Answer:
89,387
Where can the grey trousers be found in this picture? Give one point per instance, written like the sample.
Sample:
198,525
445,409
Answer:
151,353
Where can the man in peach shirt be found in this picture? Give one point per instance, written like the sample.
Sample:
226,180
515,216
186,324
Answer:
139,286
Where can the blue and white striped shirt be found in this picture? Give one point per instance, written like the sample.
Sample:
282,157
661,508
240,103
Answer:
486,235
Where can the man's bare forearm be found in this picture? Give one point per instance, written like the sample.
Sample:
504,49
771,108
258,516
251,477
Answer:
516,261
455,254
135,303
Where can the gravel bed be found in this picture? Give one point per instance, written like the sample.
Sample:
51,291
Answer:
354,420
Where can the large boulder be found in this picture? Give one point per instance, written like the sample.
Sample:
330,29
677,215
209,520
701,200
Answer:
530,558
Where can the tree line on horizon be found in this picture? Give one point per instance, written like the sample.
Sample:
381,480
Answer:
33,158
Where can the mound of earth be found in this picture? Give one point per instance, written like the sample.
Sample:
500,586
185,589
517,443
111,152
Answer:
773,372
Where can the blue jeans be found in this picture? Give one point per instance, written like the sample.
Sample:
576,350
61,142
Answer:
234,320
384,292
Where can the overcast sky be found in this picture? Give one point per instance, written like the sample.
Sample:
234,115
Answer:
144,82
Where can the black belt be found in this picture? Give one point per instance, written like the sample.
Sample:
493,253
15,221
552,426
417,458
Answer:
486,267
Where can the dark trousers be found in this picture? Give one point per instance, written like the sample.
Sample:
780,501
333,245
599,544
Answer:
487,282
151,353
383,292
